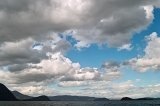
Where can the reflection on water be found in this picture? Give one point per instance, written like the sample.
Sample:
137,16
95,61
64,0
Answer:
70,103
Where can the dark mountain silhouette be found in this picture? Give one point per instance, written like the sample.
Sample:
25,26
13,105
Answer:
145,98
71,98
101,99
39,98
21,96
126,98
6,94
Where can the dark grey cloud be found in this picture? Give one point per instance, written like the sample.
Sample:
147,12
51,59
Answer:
17,67
112,22
62,46
111,70
115,22
32,77
110,64
19,53
20,19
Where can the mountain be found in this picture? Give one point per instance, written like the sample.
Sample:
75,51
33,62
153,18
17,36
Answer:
145,98
20,96
126,98
101,99
6,94
71,98
39,98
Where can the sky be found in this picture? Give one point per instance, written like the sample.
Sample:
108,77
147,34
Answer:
99,48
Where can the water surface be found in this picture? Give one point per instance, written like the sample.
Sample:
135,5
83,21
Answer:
82,103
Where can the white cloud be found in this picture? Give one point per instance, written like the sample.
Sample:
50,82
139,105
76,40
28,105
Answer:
72,83
82,44
150,60
149,11
111,75
58,65
127,47
82,74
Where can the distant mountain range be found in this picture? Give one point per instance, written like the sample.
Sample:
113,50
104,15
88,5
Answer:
146,98
7,95
39,98
21,96
71,98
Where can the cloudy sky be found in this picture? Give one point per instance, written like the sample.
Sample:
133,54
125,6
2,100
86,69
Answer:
100,48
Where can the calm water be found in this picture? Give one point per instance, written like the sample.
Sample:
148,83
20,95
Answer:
108,103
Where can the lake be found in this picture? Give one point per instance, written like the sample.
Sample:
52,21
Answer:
82,103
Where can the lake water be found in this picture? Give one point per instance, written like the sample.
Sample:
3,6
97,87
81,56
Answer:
83,103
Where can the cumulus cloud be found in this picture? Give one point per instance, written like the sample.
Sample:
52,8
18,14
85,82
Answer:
82,75
57,70
111,70
150,60
111,22
103,88
57,67
19,52
116,25
26,18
